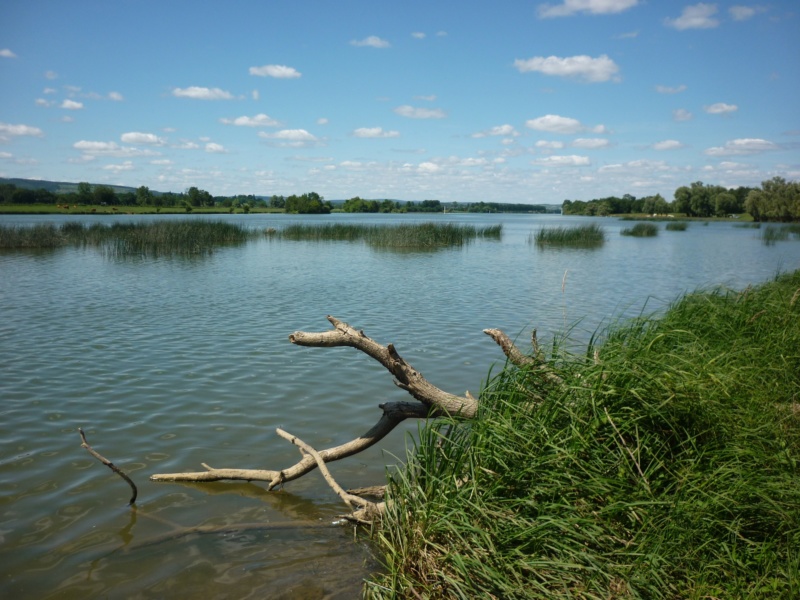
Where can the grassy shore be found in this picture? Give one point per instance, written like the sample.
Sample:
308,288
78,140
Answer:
580,236
665,466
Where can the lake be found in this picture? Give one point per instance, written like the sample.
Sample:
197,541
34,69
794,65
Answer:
170,362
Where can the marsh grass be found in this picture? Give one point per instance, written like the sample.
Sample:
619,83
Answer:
668,468
641,230
677,226
411,235
580,236
151,238
780,233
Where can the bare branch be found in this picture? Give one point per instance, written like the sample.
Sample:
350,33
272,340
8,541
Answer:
518,358
110,465
406,377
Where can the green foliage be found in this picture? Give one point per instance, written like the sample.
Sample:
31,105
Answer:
641,230
777,200
667,467
581,236
677,226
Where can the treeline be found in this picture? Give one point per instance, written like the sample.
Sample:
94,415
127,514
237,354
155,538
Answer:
359,205
776,200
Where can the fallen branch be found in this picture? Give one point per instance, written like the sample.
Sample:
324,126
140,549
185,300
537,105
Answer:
516,357
110,465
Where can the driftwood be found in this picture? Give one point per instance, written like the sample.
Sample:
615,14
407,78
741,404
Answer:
429,402
110,465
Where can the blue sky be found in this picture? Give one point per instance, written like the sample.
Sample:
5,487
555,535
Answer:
504,101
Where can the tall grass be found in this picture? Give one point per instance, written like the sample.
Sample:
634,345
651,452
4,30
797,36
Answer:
405,235
641,230
780,233
125,239
580,236
668,468
677,226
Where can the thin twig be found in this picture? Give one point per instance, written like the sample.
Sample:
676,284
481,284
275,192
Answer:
110,465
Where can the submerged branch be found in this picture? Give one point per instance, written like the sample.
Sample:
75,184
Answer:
109,464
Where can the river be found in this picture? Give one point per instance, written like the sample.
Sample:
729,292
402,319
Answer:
170,362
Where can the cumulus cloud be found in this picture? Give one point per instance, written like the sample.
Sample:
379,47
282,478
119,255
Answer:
71,105
428,167
594,7
582,67
742,13
115,96
214,148
590,143
418,35
549,145
571,160
259,120
681,114
502,130
290,137
125,166
137,137
420,113
373,41
697,16
742,146
563,125
7,129
665,89
92,148
7,53
202,93
277,71
720,108
667,145
374,132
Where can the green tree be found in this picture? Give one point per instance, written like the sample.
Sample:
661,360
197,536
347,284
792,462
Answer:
144,197
104,194
84,192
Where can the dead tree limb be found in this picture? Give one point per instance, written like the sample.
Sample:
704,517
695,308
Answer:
516,357
110,465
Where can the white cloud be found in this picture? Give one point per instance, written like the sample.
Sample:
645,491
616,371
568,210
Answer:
590,143
428,167
681,114
71,105
202,93
665,89
582,67
259,120
6,155
50,75
570,160
277,71
742,146
374,132
667,145
594,7
116,96
7,53
720,108
136,137
549,145
697,16
43,102
215,148
419,35
558,124
431,98
420,113
503,130
7,129
372,41
126,166
291,137
322,121
90,148
742,13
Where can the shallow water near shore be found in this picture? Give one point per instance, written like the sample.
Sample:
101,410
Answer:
170,362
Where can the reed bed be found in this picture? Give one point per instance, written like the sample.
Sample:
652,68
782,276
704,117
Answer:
401,236
580,236
128,239
641,230
668,467
677,226
780,233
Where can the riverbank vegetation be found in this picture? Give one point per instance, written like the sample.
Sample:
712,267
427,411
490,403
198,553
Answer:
404,235
660,464
580,236
641,230
677,226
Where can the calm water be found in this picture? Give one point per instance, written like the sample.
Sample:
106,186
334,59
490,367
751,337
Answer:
170,362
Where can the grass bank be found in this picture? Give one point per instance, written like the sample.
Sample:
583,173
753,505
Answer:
667,467
405,235
580,236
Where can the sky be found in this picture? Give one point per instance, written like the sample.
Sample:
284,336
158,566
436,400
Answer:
468,101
